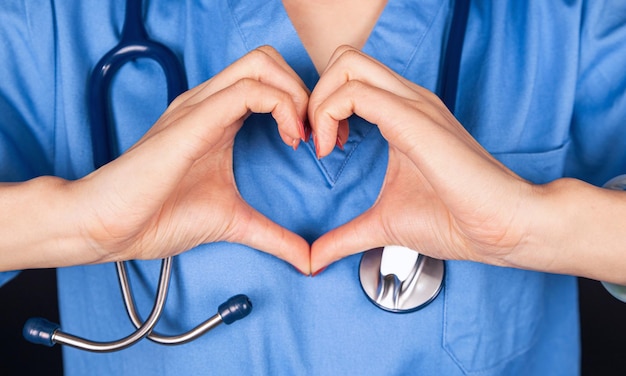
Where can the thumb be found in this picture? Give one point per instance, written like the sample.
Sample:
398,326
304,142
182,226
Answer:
360,234
257,231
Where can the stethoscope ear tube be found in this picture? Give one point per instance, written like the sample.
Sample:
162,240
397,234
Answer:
39,331
134,44
43,332
453,54
235,308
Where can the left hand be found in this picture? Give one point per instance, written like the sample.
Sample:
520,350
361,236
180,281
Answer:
175,188
443,194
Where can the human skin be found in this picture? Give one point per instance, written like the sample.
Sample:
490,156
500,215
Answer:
481,212
144,207
463,204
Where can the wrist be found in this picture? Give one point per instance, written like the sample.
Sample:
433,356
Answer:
544,227
571,229
63,220
41,226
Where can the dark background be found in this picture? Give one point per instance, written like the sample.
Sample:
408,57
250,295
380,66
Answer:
33,293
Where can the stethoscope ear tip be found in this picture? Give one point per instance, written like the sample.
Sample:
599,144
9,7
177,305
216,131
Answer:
39,331
235,308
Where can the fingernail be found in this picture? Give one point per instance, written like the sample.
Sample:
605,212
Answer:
318,272
295,143
307,131
301,130
317,147
339,143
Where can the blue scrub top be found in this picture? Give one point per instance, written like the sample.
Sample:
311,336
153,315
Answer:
542,88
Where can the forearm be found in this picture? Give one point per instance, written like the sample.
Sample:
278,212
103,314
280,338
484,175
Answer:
574,228
41,225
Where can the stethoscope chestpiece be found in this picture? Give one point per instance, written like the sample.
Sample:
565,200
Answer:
400,280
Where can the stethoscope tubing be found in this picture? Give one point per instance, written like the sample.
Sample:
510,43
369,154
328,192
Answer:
139,334
453,54
129,303
41,331
134,44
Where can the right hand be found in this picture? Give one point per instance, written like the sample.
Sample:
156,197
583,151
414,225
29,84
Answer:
443,195
175,188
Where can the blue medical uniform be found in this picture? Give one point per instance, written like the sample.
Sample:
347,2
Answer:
542,88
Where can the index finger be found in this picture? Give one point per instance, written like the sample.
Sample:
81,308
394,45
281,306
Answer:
263,64
349,64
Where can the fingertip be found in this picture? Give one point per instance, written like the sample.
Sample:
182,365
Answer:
294,144
325,137
301,128
314,274
290,141
307,131
296,251
302,272
321,255
339,143
353,237
329,126
290,127
343,132
261,233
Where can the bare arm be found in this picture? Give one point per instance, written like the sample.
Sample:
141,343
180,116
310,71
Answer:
171,191
575,228
41,226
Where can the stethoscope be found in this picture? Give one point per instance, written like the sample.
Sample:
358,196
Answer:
394,278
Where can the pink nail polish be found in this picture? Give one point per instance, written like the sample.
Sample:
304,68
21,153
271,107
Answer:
338,143
318,272
307,131
317,147
301,129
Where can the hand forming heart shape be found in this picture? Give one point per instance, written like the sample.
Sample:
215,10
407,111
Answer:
427,202
188,196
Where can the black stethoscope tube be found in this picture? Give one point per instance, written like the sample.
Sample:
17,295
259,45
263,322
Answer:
454,50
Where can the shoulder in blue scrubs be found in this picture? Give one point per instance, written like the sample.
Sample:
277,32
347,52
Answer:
542,88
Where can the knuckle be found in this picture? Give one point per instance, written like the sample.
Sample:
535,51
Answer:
429,96
179,100
354,86
268,50
346,50
259,57
244,85
348,54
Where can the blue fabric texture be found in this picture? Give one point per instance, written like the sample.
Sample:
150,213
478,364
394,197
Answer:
541,86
